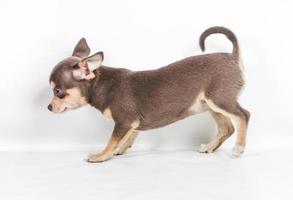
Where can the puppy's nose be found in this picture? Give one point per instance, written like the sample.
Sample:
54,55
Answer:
50,107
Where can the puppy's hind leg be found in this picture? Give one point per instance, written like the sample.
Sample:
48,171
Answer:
128,144
241,122
225,130
234,111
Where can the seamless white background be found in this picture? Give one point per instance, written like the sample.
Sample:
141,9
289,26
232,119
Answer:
41,153
139,35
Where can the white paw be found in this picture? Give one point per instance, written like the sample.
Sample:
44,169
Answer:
119,152
205,148
237,150
98,158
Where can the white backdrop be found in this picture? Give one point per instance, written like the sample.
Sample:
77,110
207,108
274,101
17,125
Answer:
139,35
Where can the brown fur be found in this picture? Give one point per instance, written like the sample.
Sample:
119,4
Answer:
156,98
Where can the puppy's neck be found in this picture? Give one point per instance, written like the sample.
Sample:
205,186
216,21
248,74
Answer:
102,86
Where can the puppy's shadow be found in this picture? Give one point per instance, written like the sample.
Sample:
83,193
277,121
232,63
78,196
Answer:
151,152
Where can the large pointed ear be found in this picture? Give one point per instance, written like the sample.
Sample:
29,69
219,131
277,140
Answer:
87,65
81,49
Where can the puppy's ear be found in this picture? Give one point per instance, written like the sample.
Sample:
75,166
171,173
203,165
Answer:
81,49
87,66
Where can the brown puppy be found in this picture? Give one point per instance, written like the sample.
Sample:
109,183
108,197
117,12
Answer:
144,100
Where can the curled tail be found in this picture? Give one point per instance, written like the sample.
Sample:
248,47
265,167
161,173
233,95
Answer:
218,29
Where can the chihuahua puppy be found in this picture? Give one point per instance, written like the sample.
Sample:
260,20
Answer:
142,100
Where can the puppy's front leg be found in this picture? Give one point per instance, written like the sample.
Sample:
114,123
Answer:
119,136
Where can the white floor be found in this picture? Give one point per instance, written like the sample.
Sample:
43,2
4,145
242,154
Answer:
147,174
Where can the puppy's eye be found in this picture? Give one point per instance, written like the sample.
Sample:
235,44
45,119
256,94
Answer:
58,92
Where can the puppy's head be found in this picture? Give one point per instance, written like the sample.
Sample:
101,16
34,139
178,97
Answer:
71,78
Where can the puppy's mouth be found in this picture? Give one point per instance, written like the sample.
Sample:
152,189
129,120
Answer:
68,109
62,108
61,111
